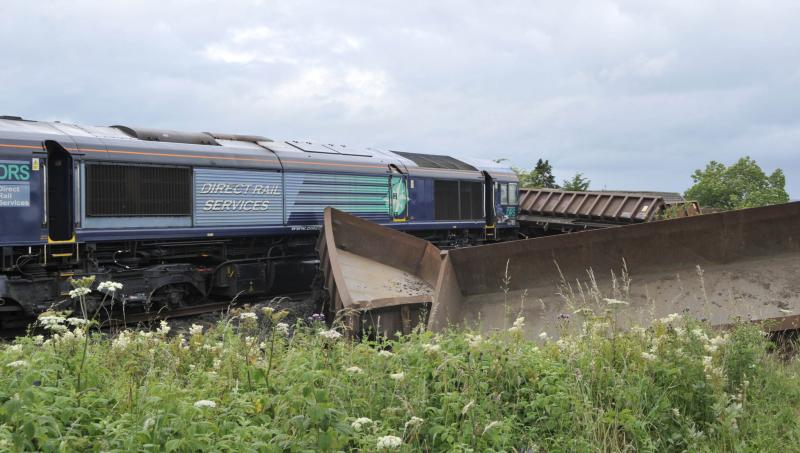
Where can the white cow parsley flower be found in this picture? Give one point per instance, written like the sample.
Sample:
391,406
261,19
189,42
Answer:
205,403
389,442
330,334
360,422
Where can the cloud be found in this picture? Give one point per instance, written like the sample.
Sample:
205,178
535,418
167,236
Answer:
633,94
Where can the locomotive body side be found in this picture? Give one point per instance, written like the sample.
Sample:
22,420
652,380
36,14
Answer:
218,216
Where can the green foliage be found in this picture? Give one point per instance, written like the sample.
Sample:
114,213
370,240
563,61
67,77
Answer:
577,184
246,386
540,177
742,185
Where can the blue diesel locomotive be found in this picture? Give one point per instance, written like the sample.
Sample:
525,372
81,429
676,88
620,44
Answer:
175,216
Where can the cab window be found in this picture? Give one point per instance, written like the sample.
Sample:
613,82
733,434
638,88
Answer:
512,193
503,193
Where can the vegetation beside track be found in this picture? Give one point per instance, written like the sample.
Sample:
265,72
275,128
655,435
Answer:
249,385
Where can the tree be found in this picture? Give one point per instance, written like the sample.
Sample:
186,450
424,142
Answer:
540,177
577,184
742,185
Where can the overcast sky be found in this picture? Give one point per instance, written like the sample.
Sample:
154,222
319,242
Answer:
635,94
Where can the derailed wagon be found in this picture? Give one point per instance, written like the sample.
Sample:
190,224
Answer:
718,267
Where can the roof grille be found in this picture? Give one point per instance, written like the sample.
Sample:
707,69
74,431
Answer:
434,161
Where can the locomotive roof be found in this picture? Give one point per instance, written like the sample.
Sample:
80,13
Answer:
168,147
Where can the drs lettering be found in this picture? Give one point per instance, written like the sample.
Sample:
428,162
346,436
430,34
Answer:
15,172
241,197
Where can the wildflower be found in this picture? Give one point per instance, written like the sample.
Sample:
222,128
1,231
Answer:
195,329
267,311
14,348
360,422
38,340
676,412
248,315
149,423
669,319
700,334
316,317
216,364
76,321
205,403
427,347
389,442
17,364
414,421
719,340
51,319
79,292
122,341
649,357
385,353
109,286
519,323
282,328
615,302
474,340
398,376
330,334
354,370
490,426
164,328
710,348
543,336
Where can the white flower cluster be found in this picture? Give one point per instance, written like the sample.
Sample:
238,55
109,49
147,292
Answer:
17,364
543,336
195,329
53,323
75,322
282,328
354,370
122,340
649,357
389,442
519,323
248,316
398,376
14,348
268,311
671,318
360,423
414,421
163,328
385,353
205,403
79,292
427,347
109,286
474,340
330,334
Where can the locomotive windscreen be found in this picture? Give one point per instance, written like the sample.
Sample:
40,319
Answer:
127,191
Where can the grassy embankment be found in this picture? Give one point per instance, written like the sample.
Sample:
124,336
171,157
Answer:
246,385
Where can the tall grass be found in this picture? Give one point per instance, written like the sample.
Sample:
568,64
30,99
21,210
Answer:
247,385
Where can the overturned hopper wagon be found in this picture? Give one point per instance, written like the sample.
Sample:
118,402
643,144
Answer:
739,265
549,211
